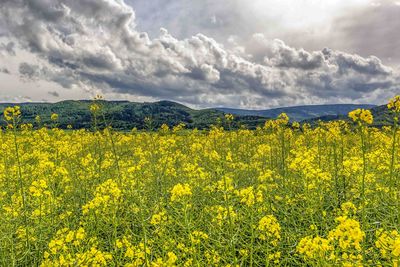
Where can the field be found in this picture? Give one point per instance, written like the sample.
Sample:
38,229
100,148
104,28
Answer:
281,195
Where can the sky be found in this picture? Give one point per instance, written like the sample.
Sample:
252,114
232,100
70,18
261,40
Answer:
221,53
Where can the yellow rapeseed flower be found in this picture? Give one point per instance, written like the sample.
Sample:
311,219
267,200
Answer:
394,104
54,116
11,113
180,191
362,116
269,229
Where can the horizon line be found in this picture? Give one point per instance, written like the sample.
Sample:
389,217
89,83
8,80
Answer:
176,102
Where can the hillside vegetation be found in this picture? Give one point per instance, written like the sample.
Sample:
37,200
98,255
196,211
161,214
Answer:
301,113
382,117
124,115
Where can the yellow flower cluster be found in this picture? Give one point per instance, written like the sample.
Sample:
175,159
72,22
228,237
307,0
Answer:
197,237
273,196
54,116
180,191
170,261
348,234
388,243
136,254
269,229
361,116
222,215
65,237
39,188
107,195
348,208
394,104
229,117
314,248
64,250
342,246
159,218
283,119
249,196
11,113
94,108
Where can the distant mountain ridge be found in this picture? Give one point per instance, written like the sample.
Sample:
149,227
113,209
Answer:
301,113
125,115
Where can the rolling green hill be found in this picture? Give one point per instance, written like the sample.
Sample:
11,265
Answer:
382,116
125,115
301,113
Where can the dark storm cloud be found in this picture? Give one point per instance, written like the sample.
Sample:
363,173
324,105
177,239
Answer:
108,52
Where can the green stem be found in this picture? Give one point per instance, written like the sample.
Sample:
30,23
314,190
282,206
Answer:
252,237
393,154
21,182
363,187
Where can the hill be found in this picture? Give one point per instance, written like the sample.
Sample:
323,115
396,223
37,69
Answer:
382,116
125,115
301,113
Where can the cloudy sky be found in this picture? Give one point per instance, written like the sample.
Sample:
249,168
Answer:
203,53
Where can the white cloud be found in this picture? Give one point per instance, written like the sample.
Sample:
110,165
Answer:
95,44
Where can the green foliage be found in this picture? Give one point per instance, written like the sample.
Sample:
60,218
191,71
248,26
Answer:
382,117
300,113
125,115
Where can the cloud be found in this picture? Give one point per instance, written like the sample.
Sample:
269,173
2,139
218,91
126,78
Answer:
28,71
13,99
370,30
96,44
5,71
7,48
341,25
54,93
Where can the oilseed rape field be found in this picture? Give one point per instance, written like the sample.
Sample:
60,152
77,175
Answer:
282,195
